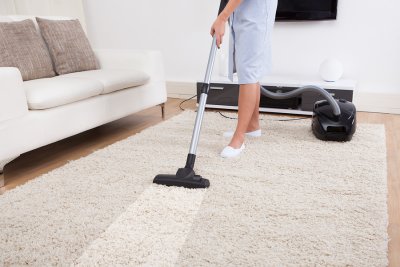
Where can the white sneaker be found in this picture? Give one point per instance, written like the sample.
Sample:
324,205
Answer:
230,152
256,133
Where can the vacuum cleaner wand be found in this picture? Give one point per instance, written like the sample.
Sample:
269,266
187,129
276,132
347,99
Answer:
186,177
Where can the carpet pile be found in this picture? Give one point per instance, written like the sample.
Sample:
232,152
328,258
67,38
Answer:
289,199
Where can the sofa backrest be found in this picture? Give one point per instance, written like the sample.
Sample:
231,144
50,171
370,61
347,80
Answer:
11,18
44,8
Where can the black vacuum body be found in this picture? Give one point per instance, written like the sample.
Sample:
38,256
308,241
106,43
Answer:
329,127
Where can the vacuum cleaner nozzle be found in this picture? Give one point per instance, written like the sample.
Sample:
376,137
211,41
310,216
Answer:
184,177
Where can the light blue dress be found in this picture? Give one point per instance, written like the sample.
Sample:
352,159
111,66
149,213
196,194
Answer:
250,40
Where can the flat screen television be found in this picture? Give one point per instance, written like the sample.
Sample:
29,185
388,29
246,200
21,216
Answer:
306,10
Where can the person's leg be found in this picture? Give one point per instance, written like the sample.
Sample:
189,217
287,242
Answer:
254,124
248,95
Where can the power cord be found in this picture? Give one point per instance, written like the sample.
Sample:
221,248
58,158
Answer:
297,119
232,118
186,100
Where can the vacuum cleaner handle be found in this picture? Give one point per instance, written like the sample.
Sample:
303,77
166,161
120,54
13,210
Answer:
203,98
211,60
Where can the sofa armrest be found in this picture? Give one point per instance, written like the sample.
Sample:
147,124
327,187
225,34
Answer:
13,102
149,61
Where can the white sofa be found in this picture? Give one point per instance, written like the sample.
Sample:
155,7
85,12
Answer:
39,112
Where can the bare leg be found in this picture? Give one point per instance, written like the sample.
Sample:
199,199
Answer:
255,119
248,95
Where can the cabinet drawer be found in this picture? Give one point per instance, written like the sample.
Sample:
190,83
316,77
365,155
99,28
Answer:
226,94
221,94
309,98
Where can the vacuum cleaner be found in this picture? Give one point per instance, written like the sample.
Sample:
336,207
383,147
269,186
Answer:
333,120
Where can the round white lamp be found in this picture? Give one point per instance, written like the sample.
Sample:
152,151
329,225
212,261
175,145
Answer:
331,70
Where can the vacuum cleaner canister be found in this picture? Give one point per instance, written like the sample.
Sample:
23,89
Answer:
329,127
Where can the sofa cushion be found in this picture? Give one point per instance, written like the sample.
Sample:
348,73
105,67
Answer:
57,91
68,45
113,80
21,46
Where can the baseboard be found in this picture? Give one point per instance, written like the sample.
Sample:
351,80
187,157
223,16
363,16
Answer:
375,102
365,101
181,90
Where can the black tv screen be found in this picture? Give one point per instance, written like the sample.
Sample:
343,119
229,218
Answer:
306,10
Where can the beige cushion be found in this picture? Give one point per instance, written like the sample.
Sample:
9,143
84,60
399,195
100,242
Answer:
68,45
113,80
21,46
57,91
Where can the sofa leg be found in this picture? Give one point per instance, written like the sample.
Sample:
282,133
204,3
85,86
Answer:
1,179
162,110
2,165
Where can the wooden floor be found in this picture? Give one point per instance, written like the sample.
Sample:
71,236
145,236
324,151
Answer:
42,160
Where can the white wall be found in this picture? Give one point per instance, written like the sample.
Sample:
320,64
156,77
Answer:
68,8
365,37
179,28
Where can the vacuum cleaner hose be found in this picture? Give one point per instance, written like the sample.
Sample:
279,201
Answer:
307,88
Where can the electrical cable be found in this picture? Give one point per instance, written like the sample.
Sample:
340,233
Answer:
232,118
295,119
186,100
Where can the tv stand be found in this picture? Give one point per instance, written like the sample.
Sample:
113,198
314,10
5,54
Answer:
223,94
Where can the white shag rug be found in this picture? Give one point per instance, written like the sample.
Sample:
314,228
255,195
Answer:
288,200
